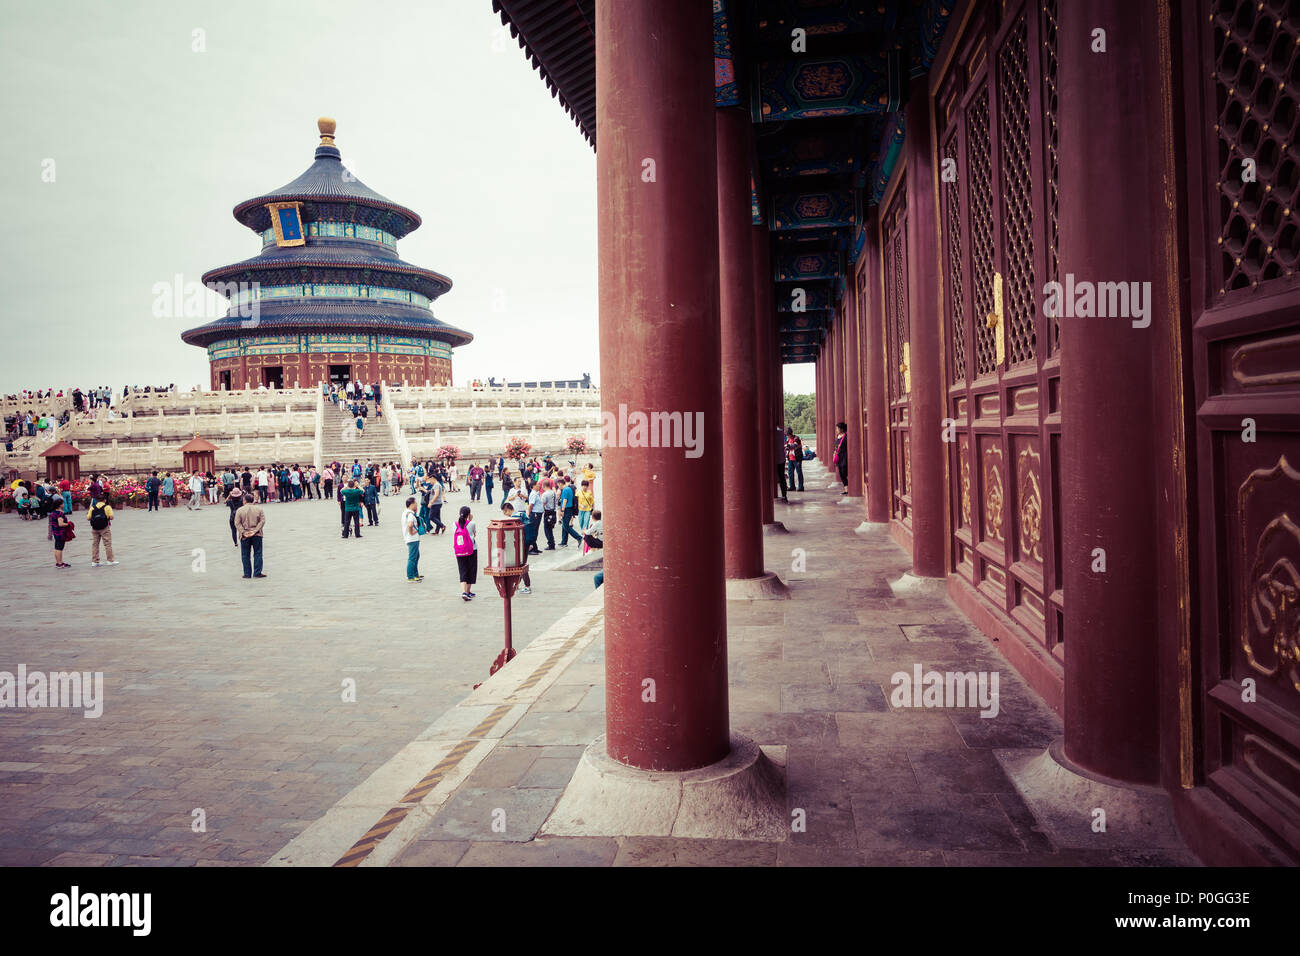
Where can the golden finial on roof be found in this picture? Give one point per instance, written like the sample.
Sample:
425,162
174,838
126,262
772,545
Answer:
326,126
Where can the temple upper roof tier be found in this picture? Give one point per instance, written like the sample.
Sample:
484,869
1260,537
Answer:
328,181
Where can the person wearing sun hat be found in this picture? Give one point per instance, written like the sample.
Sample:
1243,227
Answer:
234,501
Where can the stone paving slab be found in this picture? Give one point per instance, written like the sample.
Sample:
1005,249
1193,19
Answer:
224,694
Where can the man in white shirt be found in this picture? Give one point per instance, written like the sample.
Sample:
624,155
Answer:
196,491
411,535
263,485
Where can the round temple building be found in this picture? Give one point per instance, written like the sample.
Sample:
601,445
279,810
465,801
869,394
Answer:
328,298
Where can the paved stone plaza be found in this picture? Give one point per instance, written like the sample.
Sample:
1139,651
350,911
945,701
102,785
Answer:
227,694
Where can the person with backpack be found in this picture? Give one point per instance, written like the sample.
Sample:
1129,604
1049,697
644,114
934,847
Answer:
411,535
101,518
352,508
464,546
371,497
152,487
60,533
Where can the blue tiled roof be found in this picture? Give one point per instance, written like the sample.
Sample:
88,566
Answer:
326,179
334,254
309,317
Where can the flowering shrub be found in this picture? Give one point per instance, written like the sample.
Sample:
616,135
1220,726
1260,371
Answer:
517,448
447,451
576,445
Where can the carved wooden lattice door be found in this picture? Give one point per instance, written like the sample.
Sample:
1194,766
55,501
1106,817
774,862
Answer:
1242,90
995,114
893,245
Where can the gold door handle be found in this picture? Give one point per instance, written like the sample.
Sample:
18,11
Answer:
996,321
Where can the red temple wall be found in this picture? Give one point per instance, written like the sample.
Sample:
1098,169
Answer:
306,370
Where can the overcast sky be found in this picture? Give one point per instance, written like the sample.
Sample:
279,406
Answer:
153,142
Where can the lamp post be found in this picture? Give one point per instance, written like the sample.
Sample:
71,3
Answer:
506,565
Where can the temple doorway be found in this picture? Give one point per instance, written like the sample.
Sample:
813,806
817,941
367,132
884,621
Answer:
273,376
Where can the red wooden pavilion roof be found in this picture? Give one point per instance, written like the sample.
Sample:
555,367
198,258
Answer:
61,450
198,444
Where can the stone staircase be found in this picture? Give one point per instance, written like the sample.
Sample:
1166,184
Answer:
375,444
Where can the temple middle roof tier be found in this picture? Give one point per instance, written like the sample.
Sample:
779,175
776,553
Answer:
331,262
328,182
299,317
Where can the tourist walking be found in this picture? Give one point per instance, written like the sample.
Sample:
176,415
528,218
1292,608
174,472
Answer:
213,486
234,501
549,505
196,492
475,478
250,522
487,481
437,497
101,520
61,532
568,511
465,548
328,475
371,497
352,508
411,535
168,490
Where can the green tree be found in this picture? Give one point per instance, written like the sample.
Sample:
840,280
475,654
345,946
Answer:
801,413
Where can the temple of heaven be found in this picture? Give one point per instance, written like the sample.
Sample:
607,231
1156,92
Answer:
327,298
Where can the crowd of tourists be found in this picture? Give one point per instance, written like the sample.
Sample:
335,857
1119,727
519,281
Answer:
542,493
51,502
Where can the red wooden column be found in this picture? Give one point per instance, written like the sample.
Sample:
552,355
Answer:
743,523
765,343
928,546
820,396
660,351
837,414
873,379
852,390
1107,218
823,444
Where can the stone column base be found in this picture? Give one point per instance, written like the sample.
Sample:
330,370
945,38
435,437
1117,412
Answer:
872,527
769,587
1065,800
910,583
741,797
774,527
850,500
